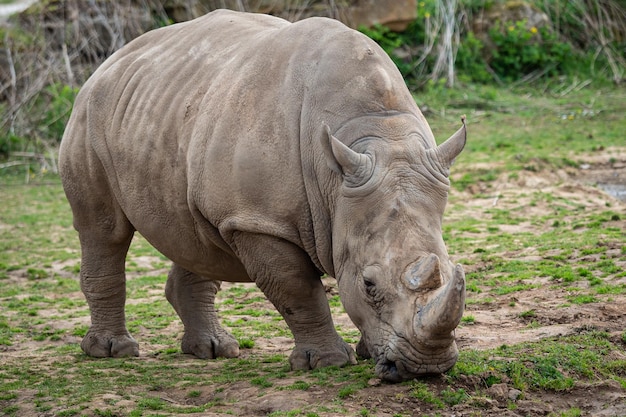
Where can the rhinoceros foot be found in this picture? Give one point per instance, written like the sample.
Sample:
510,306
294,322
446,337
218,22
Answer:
210,346
306,357
104,345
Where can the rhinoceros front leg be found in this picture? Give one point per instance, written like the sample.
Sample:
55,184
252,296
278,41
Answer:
288,278
193,298
103,283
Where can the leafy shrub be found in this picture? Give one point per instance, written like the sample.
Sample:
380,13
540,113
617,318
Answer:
58,100
520,50
40,127
597,27
8,142
470,61
512,51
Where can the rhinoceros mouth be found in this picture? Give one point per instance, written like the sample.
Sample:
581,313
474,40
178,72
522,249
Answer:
388,371
393,366
397,371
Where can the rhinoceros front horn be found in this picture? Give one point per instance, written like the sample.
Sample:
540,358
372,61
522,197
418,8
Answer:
443,312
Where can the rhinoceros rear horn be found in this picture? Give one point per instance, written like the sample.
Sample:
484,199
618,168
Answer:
424,274
452,147
355,167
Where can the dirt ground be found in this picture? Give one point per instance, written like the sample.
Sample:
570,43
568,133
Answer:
496,323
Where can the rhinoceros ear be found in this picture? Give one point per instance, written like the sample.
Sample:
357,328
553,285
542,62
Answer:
355,167
452,147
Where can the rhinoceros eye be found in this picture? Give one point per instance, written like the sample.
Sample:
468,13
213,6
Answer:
370,276
370,287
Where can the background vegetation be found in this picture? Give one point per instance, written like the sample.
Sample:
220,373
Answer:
47,52
508,42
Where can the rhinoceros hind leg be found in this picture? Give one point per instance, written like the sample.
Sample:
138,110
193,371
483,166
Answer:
105,236
106,295
193,298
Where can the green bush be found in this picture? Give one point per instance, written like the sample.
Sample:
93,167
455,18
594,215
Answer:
470,63
8,143
513,51
41,126
57,101
520,50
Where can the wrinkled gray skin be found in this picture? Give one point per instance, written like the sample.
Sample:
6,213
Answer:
246,148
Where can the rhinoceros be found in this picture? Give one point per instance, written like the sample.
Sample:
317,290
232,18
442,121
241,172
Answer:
246,148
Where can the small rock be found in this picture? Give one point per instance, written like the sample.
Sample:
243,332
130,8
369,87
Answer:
126,404
374,382
535,408
498,392
483,402
109,397
514,394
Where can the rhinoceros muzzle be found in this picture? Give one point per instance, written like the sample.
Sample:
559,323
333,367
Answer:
431,349
397,367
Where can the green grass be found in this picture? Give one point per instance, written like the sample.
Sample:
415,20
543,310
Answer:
552,363
499,135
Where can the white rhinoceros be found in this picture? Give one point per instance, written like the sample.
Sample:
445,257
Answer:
247,148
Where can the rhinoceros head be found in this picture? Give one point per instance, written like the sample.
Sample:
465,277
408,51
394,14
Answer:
395,278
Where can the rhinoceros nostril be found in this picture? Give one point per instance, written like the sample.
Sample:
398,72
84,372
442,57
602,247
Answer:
387,371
